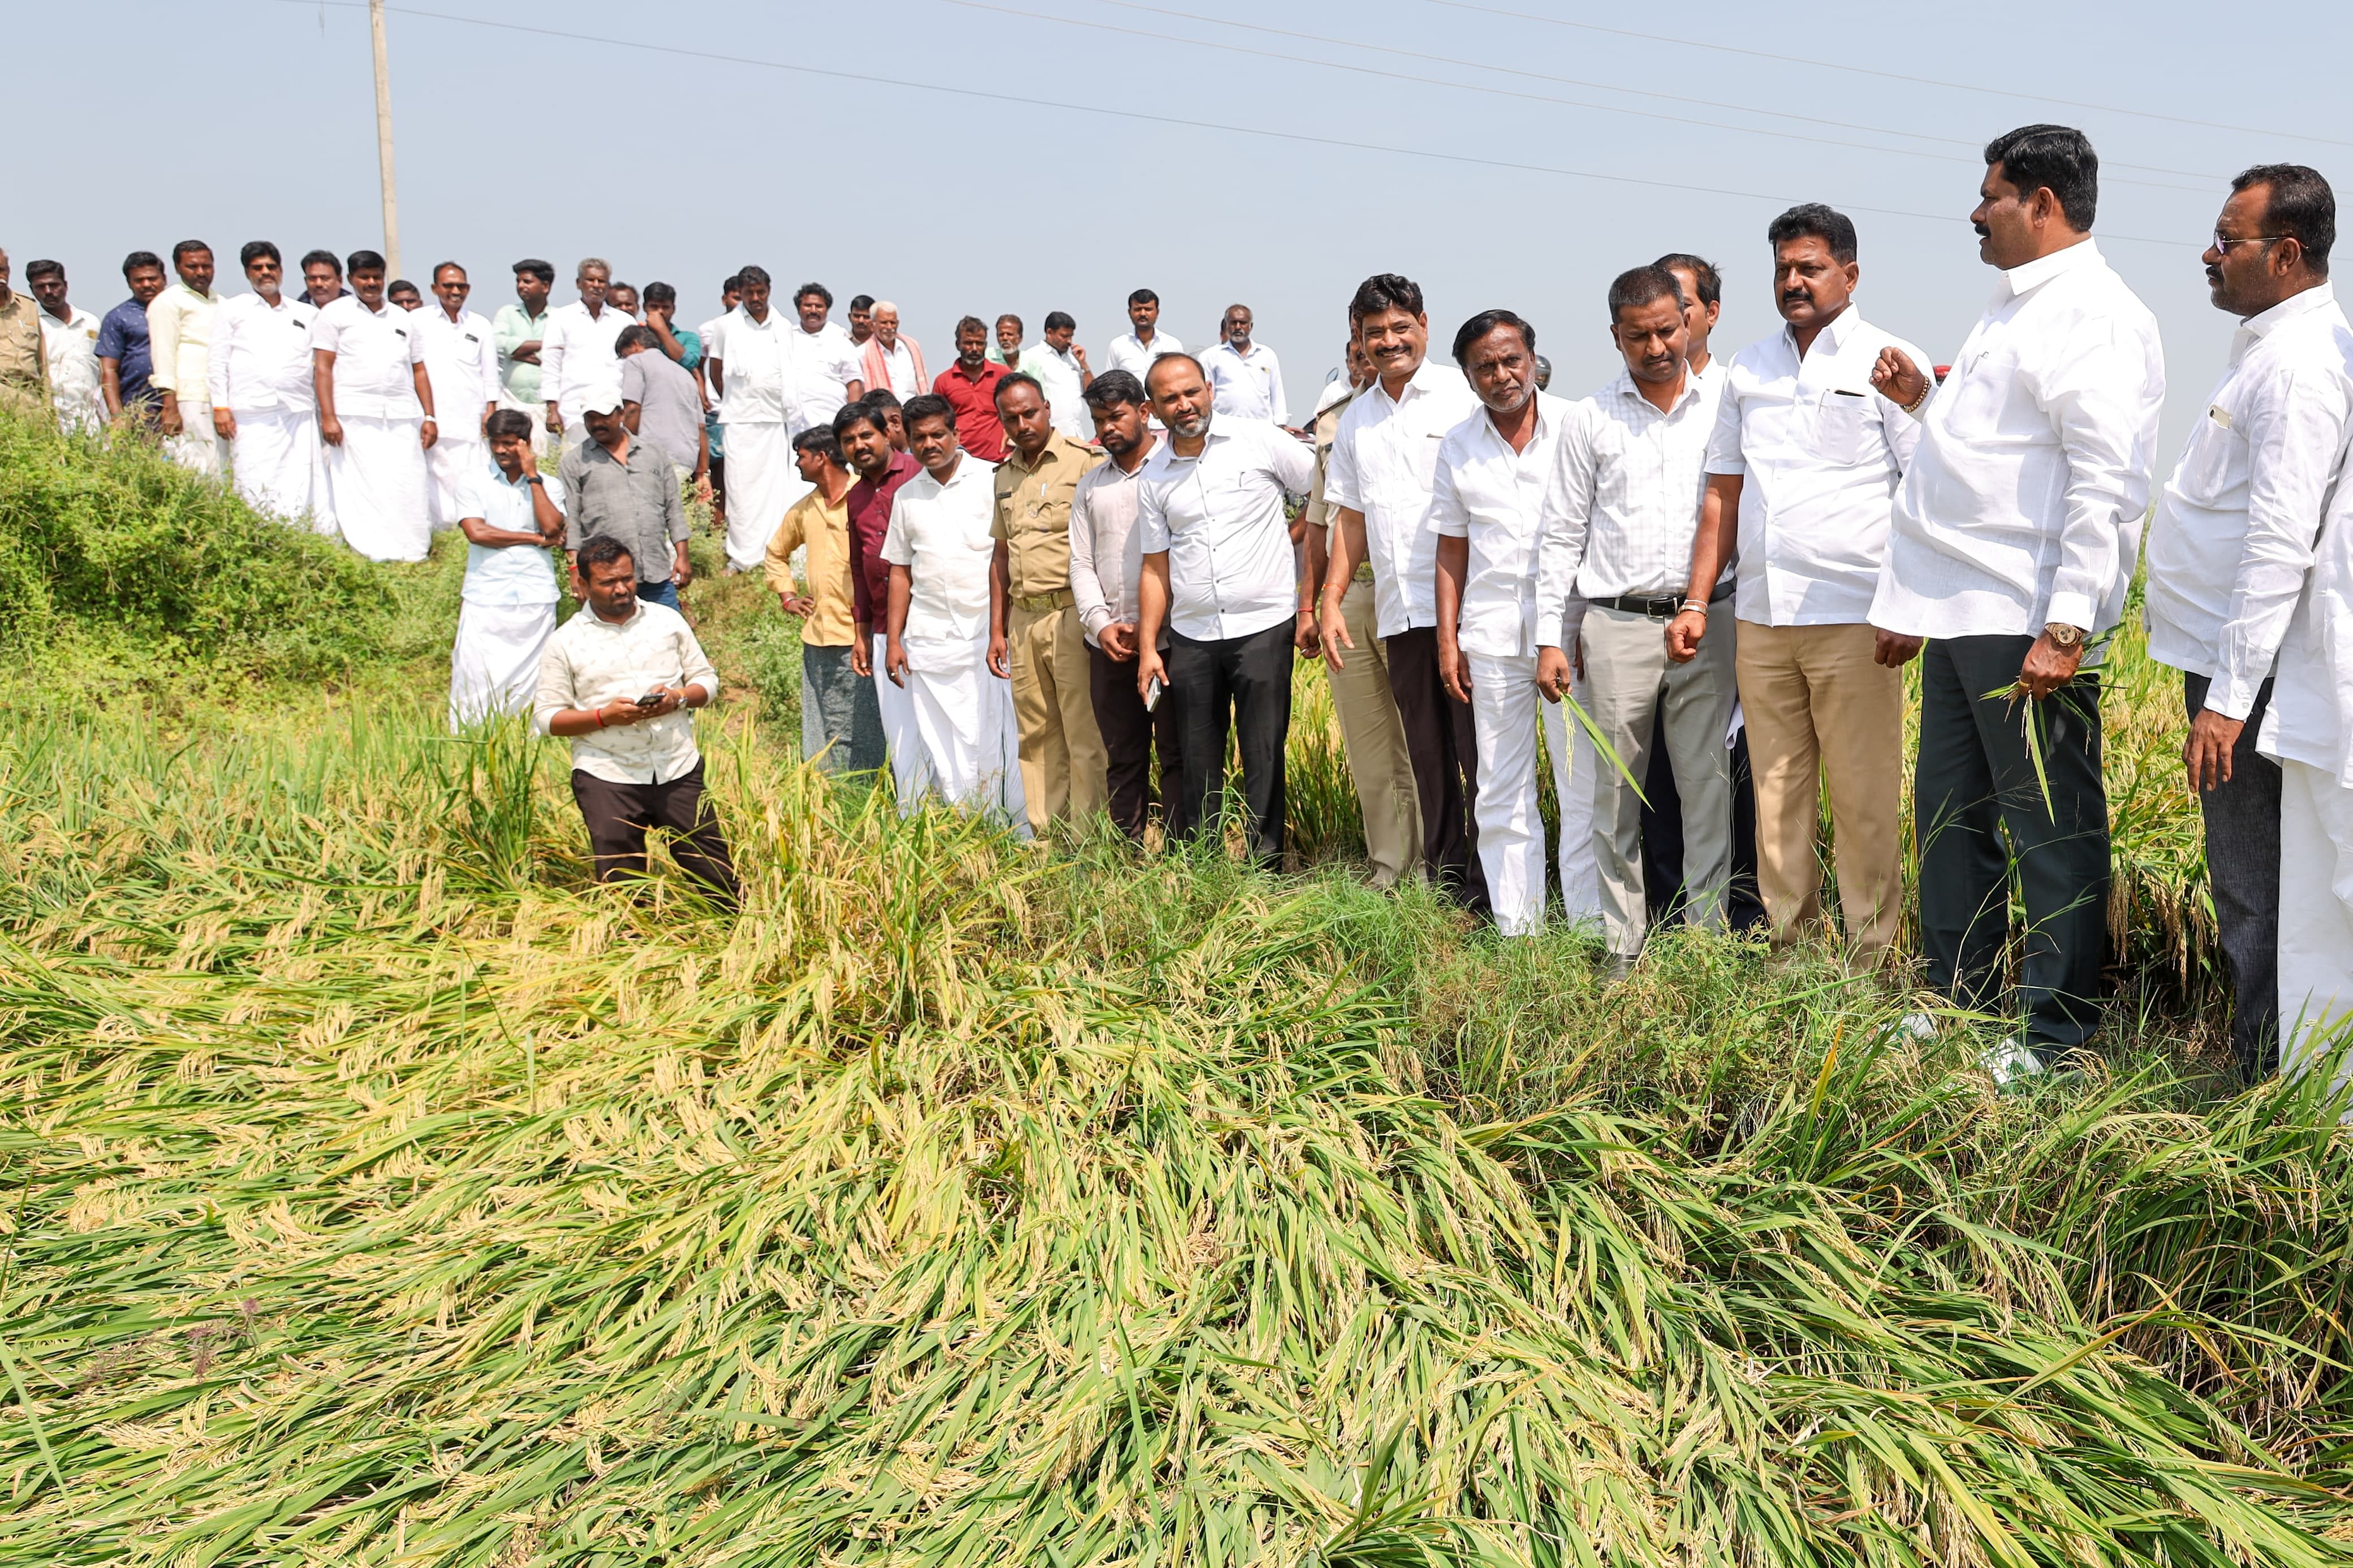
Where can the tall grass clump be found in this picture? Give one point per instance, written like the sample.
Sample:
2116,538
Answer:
379,1191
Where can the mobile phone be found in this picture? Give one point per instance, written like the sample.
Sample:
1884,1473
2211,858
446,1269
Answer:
1152,690
653,699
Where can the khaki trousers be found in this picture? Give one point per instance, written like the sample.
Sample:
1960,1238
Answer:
1374,736
1064,764
1818,706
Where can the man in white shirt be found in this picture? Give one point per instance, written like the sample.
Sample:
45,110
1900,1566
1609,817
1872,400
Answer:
1220,574
2251,490
749,359
620,681
2010,550
259,381
1245,376
1703,288
1612,558
826,369
376,417
936,634
70,344
1106,566
179,335
1134,350
1493,469
891,361
1384,465
513,517
1802,472
1060,366
576,348
461,359
730,294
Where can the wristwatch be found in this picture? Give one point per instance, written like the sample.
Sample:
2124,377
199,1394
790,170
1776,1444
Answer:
2063,635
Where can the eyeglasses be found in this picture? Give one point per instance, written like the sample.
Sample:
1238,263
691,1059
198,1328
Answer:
2223,242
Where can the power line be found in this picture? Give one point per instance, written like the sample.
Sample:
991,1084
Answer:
1973,145
1343,144
1888,76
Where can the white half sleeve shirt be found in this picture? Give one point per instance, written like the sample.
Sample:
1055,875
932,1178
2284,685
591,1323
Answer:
1493,496
373,351
260,360
1220,519
1384,464
940,533
461,362
754,356
577,353
1131,354
823,363
1249,386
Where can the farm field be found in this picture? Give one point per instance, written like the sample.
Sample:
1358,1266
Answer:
377,1192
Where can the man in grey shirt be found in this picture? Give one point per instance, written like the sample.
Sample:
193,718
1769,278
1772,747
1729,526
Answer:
660,402
617,486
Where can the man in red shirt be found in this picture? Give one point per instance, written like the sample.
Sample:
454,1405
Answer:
882,468
970,388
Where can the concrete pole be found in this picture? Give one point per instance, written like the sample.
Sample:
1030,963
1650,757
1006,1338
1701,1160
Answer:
383,141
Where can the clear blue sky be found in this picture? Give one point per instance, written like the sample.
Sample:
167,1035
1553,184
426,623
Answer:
258,119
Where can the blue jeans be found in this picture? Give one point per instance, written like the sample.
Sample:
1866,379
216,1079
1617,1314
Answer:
662,593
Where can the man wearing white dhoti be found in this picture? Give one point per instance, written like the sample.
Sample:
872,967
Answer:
179,333
750,359
576,349
376,417
258,379
461,361
513,516
939,548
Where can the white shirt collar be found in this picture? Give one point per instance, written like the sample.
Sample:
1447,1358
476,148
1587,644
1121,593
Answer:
2041,270
1832,335
2263,323
1423,381
1624,387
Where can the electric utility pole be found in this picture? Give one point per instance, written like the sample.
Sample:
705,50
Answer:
383,141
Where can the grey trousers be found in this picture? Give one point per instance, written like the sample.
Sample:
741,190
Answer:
1634,685
2243,869
841,724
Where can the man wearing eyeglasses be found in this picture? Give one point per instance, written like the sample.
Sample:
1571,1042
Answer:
2009,552
2234,529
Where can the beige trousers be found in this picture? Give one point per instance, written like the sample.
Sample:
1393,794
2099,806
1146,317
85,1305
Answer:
1064,767
1818,706
1373,737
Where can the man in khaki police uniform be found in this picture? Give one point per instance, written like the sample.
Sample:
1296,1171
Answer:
1370,730
1036,635
24,366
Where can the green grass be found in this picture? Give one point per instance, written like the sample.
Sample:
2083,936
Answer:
377,1191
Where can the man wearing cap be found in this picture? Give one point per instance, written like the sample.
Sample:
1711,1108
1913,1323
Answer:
616,485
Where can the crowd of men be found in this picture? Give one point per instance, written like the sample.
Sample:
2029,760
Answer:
1034,587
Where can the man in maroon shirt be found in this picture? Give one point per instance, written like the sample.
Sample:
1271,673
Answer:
882,468
970,388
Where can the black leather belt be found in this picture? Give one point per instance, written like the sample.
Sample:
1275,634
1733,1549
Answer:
1662,608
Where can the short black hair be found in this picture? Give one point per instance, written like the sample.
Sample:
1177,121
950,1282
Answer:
751,275
636,337
139,258
507,422
820,439
253,250
1017,378
363,261
1115,386
2299,207
397,284
312,258
603,551
819,289
1486,321
532,267
660,294
929,406
862,412
1144,297
186,246
970,324
1058,319
1641,285
1704,276
862,301
731,284
2057,157
1384,291
1812,220
45,269
882,397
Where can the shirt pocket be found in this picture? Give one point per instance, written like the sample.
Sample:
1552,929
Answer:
1838,418
2214,464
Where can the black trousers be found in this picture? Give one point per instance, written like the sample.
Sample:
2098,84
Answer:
1976,780
620,814
1235,690
1662,840
1444,744
1130,737
2243,869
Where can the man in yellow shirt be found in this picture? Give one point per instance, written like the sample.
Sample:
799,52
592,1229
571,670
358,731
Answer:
180,335
1037,637
841,726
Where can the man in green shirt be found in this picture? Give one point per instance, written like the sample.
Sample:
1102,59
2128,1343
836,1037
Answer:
515,331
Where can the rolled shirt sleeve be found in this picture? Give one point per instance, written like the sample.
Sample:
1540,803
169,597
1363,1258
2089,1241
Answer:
1342,485
1086,589
1562,521
216,363
693,665
2101,394
1724,455
557,688
1290,460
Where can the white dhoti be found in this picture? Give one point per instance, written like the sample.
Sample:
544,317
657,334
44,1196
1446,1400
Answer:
908,773
964,716
274,458
450,463
1506,709
198,447
2315,928
762,484
376,479
495,667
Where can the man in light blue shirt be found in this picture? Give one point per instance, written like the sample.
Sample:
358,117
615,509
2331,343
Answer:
513,516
